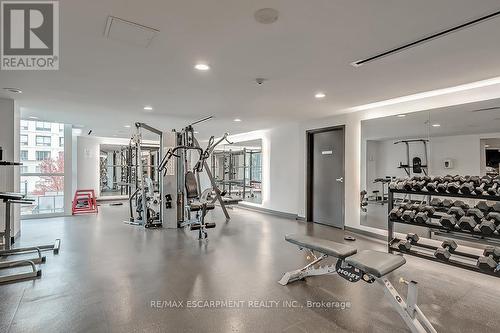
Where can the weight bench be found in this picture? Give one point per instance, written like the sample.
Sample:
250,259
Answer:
367,265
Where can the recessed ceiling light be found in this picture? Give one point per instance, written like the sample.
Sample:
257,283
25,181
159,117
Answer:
320,95
33,117
148,108
486,146
13,90
196,132
436,125
237,120
127,126
401,115
202,67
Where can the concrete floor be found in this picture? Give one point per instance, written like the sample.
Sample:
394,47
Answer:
108,273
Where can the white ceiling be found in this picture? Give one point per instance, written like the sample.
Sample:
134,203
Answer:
472,118
103,84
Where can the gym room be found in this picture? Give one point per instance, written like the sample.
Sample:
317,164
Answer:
250,166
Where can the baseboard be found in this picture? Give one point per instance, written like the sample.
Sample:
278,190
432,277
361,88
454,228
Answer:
366,233
269,211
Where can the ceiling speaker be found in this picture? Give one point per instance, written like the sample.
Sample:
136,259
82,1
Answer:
266,15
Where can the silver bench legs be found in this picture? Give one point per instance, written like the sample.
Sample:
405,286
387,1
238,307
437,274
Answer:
308,270
408,310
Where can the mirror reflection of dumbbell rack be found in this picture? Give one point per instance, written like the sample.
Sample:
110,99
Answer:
433,225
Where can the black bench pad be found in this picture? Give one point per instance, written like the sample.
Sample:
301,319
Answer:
197,205
376,263
325,246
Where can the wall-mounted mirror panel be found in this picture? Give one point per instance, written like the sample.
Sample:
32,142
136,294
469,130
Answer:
458,140
392,147
237,169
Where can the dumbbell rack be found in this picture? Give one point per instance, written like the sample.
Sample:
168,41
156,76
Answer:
392,241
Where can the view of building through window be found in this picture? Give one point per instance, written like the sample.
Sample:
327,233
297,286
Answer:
42,173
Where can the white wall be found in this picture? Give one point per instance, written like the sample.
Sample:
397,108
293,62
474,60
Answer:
284,184
280,168
463,150
9,175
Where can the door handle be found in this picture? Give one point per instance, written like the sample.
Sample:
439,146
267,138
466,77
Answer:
340,179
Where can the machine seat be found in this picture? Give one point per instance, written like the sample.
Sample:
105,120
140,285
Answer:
376,263
198,205
325,246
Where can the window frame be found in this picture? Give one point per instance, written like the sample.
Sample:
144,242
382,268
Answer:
43,143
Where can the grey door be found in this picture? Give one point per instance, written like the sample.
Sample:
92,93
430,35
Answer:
327,176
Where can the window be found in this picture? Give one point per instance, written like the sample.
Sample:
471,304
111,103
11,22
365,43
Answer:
43,126
42,178
24,155
42,155
43,140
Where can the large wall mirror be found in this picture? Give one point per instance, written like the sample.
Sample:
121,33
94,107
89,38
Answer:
237,170
113,170
457,140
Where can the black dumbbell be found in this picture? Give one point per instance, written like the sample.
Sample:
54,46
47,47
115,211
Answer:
433,184
477,214
424,214
399,184
489,261
443,186
483,184
446,249
408,185
490,223
411,239
448,221
457,212
436,202
484,206
487,227
409,214
493,190
467,223
470,185
396,213
453,187
419,185
494,216
447,203
461,204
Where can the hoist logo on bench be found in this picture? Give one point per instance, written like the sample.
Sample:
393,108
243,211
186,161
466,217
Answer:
350,273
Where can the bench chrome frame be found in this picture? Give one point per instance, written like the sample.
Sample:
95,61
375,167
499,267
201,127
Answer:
33,274
308,270
408,309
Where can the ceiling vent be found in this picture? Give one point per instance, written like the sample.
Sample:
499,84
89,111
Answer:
487,109
129,32
423,40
